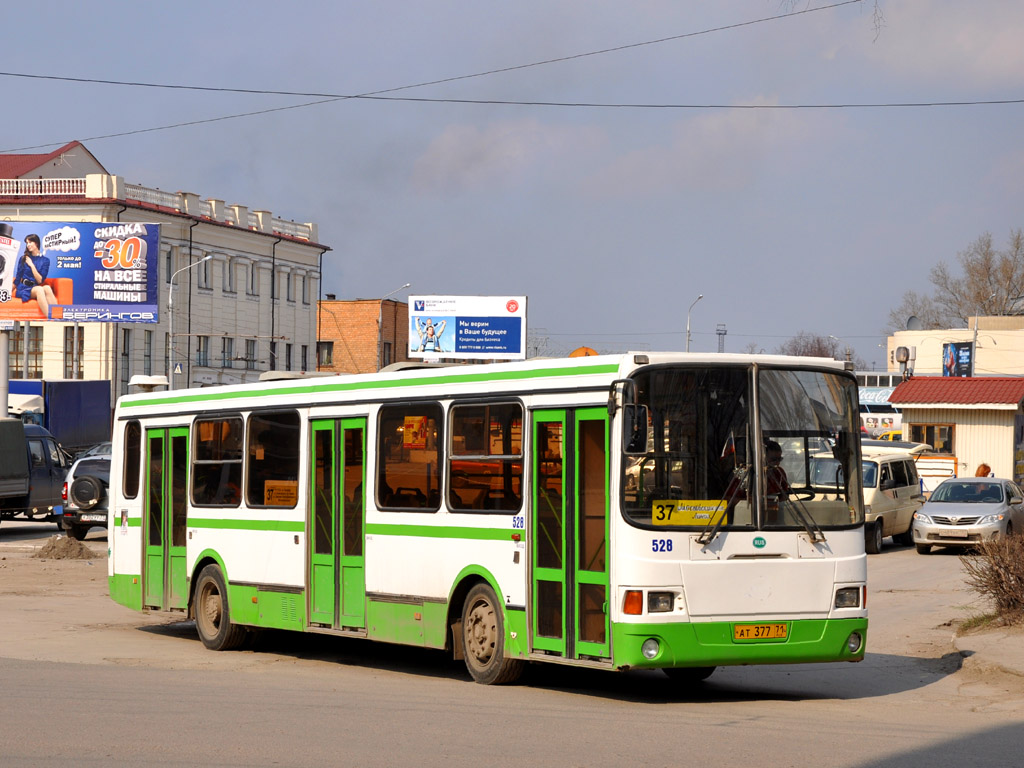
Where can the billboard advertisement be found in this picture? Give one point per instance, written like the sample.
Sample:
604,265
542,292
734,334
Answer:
79,271
467,327
957,359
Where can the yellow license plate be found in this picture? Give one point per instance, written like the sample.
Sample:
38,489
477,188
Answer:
760,631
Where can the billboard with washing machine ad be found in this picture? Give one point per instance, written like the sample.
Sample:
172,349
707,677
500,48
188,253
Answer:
467,327
79,271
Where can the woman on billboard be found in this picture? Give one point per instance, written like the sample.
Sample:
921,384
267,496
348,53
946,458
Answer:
32,271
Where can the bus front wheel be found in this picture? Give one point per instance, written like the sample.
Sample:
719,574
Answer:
483,638
213,619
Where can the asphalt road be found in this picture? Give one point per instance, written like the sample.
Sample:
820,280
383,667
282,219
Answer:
88,682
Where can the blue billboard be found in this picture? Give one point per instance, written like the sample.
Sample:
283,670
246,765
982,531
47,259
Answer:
468,327
79,271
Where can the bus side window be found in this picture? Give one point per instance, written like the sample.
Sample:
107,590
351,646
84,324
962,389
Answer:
273,460
409,457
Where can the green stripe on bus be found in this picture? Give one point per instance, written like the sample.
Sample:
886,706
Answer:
314,389
440,532
296,526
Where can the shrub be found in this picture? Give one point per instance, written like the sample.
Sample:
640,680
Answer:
995,570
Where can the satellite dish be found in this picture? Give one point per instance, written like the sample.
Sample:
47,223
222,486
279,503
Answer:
914,323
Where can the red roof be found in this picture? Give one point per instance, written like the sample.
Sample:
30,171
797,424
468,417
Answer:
957,391
16,166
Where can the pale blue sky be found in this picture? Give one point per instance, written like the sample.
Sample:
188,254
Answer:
611,221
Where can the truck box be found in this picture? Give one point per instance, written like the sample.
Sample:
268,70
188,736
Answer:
75,411
14,471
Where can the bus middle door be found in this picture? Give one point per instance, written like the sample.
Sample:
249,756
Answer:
337,581
569,533
165,522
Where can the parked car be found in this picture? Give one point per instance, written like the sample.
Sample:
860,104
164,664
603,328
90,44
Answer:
85,494
964,511
95,450
892,494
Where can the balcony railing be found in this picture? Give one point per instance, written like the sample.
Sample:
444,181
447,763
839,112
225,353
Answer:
102,186
41,187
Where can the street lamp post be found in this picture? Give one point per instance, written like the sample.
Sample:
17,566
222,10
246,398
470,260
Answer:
380,325
701,296
170,316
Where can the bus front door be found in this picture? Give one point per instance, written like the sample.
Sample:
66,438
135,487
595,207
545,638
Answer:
569,534
165,580
337,582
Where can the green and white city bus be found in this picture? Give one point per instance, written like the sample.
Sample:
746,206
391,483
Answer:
614,512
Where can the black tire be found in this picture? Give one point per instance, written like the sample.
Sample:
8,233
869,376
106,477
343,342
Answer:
905,539
873,538
213,617
483,639
1009,529
924,549
87,491
76,532
688,675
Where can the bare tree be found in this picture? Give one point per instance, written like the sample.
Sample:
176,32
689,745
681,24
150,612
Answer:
806,344
990,282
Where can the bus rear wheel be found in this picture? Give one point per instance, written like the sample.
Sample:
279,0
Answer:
213,618
483,639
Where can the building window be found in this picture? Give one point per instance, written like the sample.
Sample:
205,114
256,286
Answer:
273,355
16,352
126,359
385,354
250,354
168,266
289,283
305,289
229,275
147,354
227,352
73,350
938,436
304,358
204,274
325,354
253,288
203,350
287,357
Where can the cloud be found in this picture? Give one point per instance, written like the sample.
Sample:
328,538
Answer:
467,157
953,42
715,151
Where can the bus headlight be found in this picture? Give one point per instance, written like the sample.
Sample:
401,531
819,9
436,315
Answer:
848,597
854,642
659,602
651,648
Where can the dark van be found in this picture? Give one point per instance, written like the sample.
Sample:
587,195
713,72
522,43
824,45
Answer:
32,469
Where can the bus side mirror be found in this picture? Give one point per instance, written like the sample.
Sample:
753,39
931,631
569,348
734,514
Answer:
634,430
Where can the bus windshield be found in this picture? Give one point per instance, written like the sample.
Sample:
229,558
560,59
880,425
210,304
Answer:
740,447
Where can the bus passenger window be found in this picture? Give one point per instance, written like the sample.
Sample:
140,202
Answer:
272,458
217,462
408,469
486,462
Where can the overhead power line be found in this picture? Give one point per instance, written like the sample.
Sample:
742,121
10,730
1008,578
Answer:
380,95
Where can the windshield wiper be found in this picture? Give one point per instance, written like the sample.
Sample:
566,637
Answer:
806,520
711,531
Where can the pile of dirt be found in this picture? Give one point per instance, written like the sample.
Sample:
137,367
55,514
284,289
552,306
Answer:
64,548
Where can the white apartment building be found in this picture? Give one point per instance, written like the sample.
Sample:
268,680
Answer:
249,308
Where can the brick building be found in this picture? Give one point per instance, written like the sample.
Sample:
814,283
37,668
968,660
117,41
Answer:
349,340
